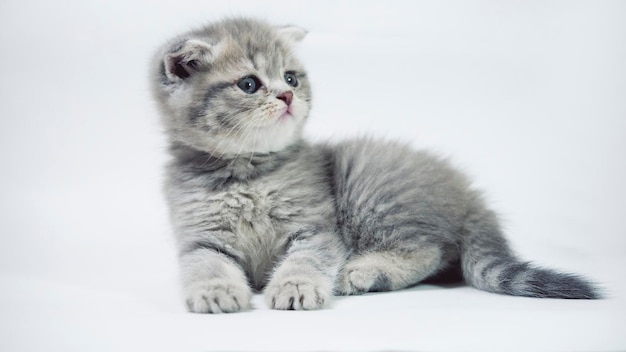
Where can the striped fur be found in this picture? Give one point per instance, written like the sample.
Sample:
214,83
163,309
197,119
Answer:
256,208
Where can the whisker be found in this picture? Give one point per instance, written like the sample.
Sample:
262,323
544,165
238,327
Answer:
267,142
239,126
254,139
244,140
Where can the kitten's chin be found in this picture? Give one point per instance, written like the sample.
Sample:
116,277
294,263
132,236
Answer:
278,136
274,137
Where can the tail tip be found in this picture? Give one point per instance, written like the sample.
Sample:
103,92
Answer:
546,283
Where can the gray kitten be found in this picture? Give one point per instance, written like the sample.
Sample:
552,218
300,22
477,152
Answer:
257,208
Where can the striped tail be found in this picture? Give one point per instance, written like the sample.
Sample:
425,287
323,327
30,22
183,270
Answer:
488,264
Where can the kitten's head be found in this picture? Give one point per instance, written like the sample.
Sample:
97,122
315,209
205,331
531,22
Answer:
233,88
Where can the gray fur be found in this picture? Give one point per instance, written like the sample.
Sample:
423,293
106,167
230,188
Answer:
255,207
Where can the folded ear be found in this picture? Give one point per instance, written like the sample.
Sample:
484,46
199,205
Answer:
185,59
292,34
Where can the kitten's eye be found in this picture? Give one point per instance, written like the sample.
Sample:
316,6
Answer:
249,84
291,79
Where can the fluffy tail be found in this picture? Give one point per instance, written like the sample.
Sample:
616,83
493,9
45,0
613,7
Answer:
489,265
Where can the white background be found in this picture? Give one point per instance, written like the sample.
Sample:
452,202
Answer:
529,98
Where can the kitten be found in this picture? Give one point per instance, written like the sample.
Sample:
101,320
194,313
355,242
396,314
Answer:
256,208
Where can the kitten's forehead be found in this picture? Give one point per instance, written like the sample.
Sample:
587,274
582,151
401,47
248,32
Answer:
256,43
263,55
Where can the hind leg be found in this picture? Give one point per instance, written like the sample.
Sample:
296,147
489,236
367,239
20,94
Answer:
388,270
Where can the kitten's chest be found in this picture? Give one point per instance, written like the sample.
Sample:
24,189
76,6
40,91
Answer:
258,218
254,210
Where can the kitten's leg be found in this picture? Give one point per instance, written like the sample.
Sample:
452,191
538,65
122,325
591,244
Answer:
213,283
388,270
306,276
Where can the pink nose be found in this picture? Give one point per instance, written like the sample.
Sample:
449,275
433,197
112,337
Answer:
286,97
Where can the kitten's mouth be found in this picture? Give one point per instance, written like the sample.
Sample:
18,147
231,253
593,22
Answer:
286,114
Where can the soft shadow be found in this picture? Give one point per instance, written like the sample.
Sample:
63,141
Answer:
448,279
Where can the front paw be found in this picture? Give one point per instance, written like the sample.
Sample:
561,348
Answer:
217,296
297,293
